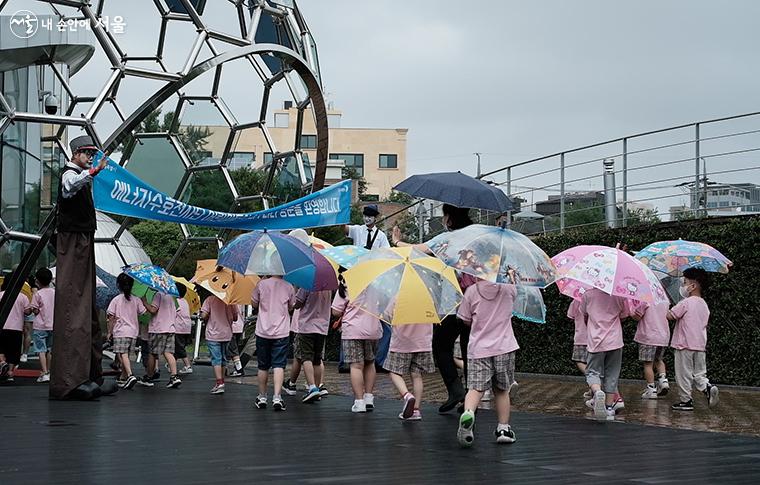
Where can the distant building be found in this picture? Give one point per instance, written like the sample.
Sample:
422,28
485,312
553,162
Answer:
551,207
744,197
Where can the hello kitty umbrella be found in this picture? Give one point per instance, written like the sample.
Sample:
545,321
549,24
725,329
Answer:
611,270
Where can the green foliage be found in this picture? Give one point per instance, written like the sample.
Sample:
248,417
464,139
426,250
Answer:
643,216
159,239
351,173
734,331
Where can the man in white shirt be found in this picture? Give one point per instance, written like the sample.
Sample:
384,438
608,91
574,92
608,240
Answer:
368,235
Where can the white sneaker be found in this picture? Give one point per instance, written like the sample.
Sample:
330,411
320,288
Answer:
218,389
44,377
359,406
618,405
610,413
24,358
186,370
260,402
600,410
369,402
513,388
650,393
663,386
487,395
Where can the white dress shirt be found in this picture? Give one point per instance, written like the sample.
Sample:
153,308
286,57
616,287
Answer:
358,234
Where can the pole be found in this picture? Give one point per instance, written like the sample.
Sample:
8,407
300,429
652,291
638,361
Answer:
610,203
477,154
562,192
509,193
625,181
420,223
704,183
695,198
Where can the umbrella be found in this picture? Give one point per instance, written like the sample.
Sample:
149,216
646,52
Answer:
529,304
319,244
403,286
490,253
26,289
611,270
230,287
345,256
191,296
673,257
273,253
107,291
152,276
457,189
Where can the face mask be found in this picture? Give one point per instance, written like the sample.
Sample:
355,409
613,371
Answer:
369,220
684,291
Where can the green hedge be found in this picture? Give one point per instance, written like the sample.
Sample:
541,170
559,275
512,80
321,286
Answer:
733,342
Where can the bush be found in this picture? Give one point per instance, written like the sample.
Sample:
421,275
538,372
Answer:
734,300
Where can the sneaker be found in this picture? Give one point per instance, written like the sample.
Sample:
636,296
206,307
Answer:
290,388
312,395
4,369
599,407
129,383
513,388
155,377
590,403
712,395
663,386
218,389
174,382
119,382
359,406
186,370
44,377
323,390
587,395
465,434
260,402
408,409
236,373
278,404
145,381
650,392
683,406
416,416
610,412
487,396
369,402
24,358
618,405
505,435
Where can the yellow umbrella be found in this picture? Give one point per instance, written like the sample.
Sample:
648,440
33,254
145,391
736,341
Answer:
231,287
26,289
403,286
193,300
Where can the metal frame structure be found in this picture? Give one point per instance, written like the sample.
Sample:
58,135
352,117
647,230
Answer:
288,56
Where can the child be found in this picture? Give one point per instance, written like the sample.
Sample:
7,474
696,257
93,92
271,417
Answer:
12,334
161,336
311,332
411,352
43,304
183,326
359,338
652,335
580,339
605,348
690,339
219,317
487,309
273,297
122,318
233,348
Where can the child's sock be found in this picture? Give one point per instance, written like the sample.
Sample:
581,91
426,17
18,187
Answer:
313,388
277,396
502,426
238,365
220,381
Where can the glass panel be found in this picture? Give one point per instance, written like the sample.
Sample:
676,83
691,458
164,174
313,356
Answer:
241,159
178,7
208,189
281,120
388,161
308,142
156,162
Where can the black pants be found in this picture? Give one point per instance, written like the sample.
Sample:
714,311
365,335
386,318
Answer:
444,336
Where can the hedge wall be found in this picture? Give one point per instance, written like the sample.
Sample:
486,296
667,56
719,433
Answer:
733,342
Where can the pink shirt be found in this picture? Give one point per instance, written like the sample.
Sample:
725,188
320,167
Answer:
653,328
488,309
690,332
412,338
603,313
15,319
44,301
356,324
220,318
239,323
163,320
273,295
314,316
581,332
126,312
183,322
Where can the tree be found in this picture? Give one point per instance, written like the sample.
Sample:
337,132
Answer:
160,240
641,215
361,182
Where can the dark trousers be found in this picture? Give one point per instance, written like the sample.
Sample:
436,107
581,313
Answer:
444,336
77,353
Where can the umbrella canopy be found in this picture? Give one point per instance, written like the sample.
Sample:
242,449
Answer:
457,189
673,257
191,296
152,276
611,270
273,253
490,253
529,304
319,244
26,289
403,286
346,255
229,286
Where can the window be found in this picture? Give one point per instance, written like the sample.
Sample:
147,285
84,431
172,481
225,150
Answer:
353,160
389,161
712,205
724,204
308,142
268,157
281,120
241,159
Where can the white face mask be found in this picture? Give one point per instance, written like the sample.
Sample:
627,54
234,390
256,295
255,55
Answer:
684,291
369,220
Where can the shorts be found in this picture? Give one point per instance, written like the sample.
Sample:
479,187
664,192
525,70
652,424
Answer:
233,347
10,345
272,352
181,341
310,347
491,372
358,350
43,341
218,351
580,353
650,353
161,342
404,363
123,345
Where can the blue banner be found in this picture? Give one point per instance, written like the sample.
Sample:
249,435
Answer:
117,191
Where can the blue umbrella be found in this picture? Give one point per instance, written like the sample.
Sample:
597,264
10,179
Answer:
346,256
104,294
457,189
154,277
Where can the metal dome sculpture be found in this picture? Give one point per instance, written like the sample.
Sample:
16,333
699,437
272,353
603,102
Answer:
270,46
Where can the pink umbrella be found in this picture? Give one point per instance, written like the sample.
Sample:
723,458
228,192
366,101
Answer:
611,270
